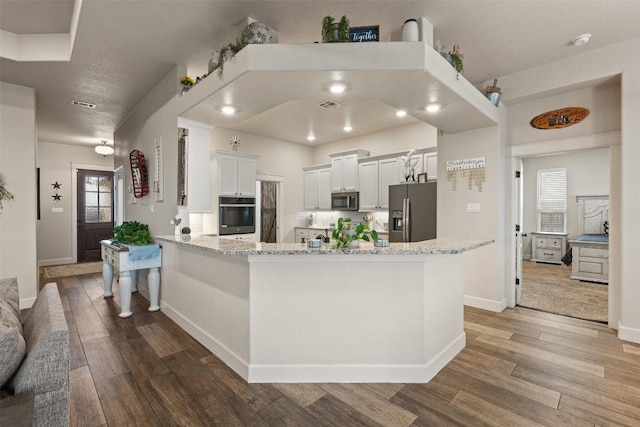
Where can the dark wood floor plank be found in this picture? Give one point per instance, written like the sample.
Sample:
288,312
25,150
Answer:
256,395
578,390
233,411
147,371
284,413
85,406
206,388
104,358
370,404
330,411
596,414
124,403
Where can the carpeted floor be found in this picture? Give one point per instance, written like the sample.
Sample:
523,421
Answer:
548,287
72,269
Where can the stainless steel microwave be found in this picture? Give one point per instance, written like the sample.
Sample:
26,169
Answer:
345,201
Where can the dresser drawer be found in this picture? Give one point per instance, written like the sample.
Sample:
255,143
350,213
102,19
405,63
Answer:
594,253
543,254
554,242
542,242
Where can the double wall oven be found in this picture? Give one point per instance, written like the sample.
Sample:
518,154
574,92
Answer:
237,215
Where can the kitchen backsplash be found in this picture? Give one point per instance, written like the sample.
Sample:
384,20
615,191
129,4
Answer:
324,219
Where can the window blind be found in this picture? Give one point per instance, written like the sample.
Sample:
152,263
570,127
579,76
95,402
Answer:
552,200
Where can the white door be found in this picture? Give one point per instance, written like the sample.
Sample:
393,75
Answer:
519,231
337,166
431,165
350,172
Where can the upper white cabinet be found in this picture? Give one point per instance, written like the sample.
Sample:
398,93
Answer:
375,178
236,174
344,170
317,186
430,165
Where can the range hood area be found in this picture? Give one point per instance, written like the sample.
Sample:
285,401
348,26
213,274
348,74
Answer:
403,75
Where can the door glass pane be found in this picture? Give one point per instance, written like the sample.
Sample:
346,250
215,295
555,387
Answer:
105,199
91,214
91,199
105,184
105,214
91,183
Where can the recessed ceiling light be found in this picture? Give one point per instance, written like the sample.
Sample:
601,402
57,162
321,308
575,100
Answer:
581,39
401,113
337,88
432,108
228,110
311,138
347,128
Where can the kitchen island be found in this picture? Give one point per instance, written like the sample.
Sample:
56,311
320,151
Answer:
289,313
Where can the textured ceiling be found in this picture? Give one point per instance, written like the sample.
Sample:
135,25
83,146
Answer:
123,48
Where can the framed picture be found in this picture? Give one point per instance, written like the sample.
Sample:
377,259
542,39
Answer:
422,177
364,34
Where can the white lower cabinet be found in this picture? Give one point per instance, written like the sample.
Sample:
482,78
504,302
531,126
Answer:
375,177
249,237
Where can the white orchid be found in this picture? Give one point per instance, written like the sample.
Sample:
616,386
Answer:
408,162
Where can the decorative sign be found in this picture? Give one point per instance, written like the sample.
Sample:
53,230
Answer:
561,118
364,34
458,165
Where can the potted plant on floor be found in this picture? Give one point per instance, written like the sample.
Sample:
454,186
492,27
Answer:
345,236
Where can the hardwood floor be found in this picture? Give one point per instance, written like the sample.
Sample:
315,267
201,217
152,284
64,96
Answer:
519,368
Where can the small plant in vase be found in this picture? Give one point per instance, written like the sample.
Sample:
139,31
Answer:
333,31
187,83
346,237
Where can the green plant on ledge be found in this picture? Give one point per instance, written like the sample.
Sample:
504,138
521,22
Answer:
131,233
344,235
456,59
335,31
229,51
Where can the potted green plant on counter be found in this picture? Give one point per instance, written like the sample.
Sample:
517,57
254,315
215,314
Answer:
345,236
131,233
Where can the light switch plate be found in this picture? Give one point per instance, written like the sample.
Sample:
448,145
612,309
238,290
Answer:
473,207
57,210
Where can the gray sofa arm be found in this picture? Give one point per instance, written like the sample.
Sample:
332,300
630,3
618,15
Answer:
45,368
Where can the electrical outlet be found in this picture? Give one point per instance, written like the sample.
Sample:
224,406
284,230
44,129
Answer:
473,207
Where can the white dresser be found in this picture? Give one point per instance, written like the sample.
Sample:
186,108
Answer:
548,247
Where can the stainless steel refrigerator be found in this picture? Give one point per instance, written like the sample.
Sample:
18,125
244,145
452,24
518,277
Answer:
412,212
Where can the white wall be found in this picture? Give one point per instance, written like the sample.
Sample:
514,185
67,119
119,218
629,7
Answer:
484,272
599,64
278,158
395,140
603,102
55,230
18,169
587,175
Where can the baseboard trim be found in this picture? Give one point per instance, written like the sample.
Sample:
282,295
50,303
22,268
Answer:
27,302
235,362
412,373
628,334
58,261
485,304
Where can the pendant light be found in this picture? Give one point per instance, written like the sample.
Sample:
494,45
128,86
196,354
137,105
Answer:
104,149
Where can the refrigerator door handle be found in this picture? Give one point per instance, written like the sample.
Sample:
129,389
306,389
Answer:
407,224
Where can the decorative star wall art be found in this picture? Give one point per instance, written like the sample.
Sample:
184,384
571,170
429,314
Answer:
56,196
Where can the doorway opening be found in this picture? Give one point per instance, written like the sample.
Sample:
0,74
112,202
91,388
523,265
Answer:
268,208
95,217
546,280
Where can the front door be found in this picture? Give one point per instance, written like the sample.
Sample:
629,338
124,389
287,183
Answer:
95,212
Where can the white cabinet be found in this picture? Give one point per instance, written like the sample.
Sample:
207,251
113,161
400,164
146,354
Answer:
344,170
236,174
548,247
194,185
430,165
249,237
317,188
375,176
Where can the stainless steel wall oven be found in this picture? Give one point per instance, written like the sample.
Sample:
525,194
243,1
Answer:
237,215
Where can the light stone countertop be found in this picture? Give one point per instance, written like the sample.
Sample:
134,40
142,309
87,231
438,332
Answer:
216,245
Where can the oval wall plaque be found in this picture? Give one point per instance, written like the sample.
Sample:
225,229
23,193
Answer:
560,118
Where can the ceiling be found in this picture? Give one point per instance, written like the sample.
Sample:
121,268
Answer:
124,48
